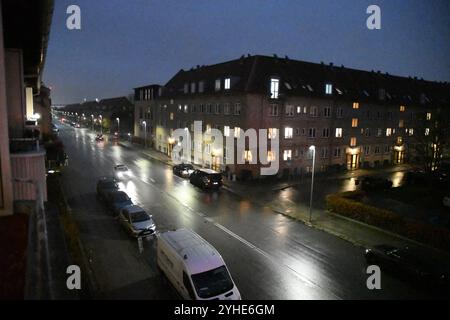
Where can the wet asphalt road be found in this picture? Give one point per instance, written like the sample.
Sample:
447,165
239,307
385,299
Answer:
269,255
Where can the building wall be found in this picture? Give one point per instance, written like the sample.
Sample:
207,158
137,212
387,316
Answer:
15,92
6,193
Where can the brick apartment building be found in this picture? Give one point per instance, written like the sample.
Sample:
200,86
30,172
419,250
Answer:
353,118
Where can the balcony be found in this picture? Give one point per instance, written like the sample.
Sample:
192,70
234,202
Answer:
28,170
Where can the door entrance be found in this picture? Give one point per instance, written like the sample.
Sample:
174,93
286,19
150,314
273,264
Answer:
399,156
352,161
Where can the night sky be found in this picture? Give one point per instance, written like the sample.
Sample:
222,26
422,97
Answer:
129,43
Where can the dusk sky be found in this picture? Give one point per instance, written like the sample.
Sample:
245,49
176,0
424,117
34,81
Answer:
125,44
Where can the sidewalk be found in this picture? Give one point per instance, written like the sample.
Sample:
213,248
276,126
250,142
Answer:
350,230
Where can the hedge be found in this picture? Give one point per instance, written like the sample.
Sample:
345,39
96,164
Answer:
348,204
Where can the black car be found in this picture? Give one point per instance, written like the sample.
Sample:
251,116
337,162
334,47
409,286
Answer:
183,170
106,185
206,179
409,264
117,200
374,183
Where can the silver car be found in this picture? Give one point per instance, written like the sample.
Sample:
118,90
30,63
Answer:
136,221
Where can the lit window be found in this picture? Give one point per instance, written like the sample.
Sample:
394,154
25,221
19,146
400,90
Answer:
354,122
287,155
237,132
355,105
272,134
328,88
217,86
353,142
171,116
248,155
401,123
186,108
226,131
208,128
410,131
270,155
399,140
338,133
227,84
428,115
274,87
299,110
427,131
402,108
388,132
288,133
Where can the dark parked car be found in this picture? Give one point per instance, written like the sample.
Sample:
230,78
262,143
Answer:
409,265
372,183
106,185
116,200
206,179
183,170
437,178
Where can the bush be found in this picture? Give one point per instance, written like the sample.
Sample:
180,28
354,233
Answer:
348,204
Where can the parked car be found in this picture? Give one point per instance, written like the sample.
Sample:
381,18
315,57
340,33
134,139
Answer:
116,200
55,129
372,183
408,264
194,267
136,221
206,179
446,201
183,170
106,185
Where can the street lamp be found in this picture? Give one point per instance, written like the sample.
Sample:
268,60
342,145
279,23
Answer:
118,126
92,117
145,133
313,149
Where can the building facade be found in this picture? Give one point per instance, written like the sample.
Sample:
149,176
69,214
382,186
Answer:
23,49
353,118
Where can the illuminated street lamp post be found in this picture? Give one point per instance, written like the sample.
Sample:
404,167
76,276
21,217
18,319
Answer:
92,118
145,133
118,127
313,149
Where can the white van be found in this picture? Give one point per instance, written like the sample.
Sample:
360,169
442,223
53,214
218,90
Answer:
194,267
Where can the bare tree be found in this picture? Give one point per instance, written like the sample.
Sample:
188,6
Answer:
432,138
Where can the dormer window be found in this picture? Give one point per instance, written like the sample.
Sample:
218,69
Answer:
186,88
193,87
381,94
217,85
328,88
227,84
274,88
